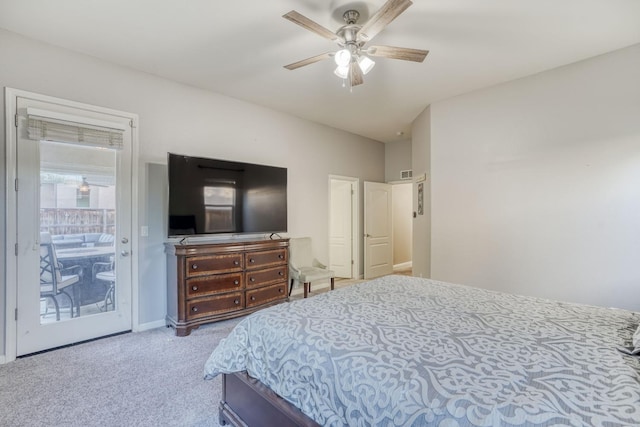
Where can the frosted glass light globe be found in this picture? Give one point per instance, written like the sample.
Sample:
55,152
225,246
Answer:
366,64
342,57
342,72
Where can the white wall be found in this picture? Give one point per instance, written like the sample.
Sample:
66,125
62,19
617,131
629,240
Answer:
536,184
183,119
421,164
397,158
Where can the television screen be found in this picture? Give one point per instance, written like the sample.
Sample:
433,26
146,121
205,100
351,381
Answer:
210,196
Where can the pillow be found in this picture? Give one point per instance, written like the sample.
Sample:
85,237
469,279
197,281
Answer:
106,238
91,237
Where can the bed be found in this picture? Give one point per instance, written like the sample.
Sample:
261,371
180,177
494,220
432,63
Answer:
401,350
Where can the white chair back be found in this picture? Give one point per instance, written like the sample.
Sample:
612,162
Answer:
300,252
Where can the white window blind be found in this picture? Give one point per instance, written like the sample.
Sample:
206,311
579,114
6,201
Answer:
60,127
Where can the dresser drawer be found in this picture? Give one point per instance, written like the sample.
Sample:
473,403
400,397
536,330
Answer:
215,305
260,259
209,282
203,265
268,276
208,285
266,294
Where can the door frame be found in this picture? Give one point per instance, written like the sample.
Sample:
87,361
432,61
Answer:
11,199
408,264
355,220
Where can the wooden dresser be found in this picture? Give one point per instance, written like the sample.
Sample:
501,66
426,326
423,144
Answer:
215,281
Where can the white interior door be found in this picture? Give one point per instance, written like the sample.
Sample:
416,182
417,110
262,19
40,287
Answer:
73,267
340,227
378,230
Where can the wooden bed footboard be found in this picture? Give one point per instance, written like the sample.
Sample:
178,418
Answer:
248,402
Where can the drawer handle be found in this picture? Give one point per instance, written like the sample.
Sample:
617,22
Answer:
236,262
280,290
194,309
253,298
236,301
194,266
280,273
195,288
253,279
252,260
235,282
281,256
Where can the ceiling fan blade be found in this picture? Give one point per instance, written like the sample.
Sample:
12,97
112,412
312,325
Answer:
355,74
404,53
308,61
387,13
310,25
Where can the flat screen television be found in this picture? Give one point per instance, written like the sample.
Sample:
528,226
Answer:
211,196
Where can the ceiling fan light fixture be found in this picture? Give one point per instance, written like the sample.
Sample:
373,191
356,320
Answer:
351,39
84,185
366,64
342,72
342,58
83,188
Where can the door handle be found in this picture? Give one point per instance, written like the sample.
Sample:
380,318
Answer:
124,253
367,235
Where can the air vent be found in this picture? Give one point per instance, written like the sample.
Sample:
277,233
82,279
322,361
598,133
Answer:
406,174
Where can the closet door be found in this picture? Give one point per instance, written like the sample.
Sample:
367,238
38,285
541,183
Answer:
341,195
378,230
73,264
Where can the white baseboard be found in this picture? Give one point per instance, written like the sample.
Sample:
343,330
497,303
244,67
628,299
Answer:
150,325
403,266
3,360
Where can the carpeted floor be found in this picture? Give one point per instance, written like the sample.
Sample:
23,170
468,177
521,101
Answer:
150,378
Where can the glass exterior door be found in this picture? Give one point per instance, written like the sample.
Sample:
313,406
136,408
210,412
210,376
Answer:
73,228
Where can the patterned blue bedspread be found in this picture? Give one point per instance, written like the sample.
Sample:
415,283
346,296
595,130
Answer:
406,351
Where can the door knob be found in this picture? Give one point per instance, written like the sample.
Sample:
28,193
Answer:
124,253
125,240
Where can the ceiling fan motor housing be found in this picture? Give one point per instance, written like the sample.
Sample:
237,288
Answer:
351,16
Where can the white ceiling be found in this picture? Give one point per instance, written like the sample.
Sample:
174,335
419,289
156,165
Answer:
238,48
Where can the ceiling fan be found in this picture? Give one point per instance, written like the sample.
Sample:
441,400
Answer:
85,185
351,59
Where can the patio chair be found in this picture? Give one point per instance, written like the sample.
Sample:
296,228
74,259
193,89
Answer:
55,279
105,272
